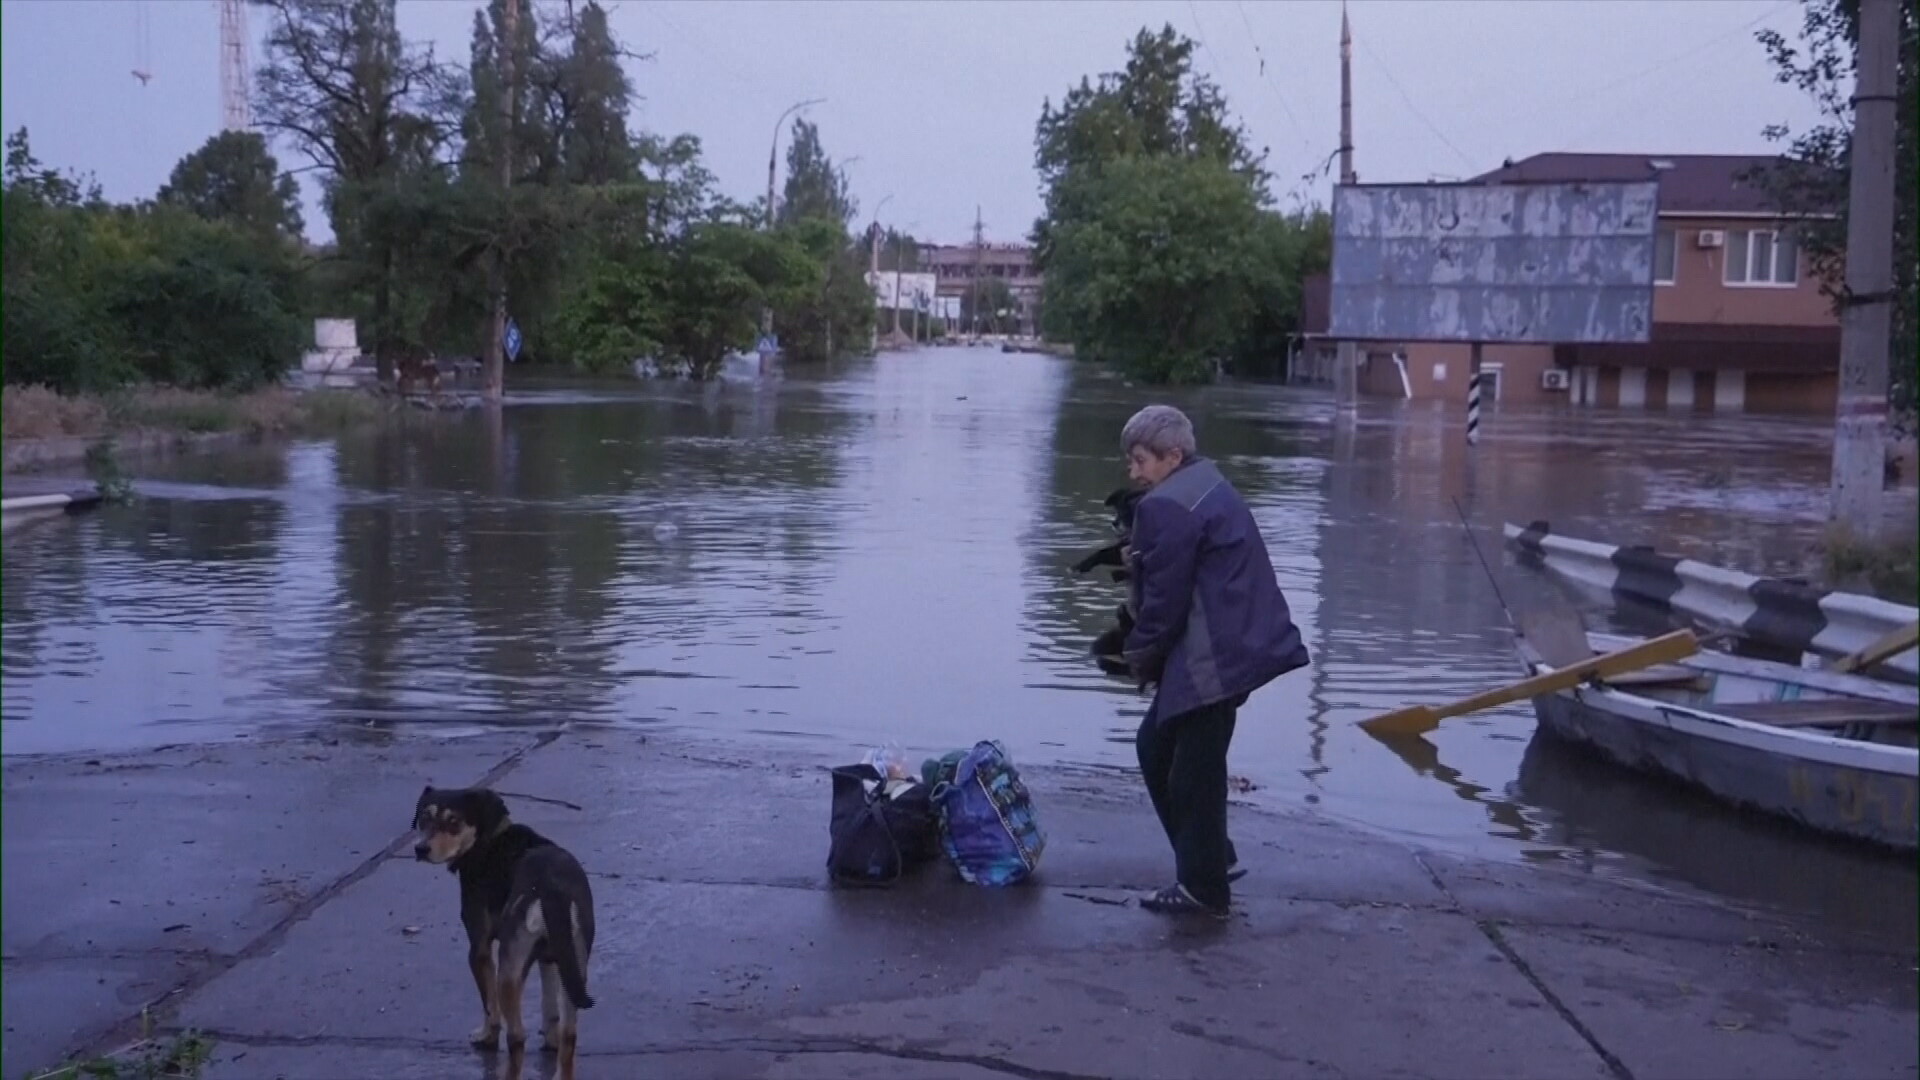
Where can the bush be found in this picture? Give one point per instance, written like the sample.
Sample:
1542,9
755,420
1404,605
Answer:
98,296
1889,569
207,309
36,412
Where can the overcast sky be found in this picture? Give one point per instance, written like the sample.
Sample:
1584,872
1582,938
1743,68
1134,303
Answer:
937,100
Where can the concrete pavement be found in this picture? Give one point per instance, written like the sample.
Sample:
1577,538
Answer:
257,893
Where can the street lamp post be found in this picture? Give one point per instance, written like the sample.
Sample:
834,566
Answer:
873,261
896,277
773,157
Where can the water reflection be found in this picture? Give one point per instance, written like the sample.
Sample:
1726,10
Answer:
879,552
1609,819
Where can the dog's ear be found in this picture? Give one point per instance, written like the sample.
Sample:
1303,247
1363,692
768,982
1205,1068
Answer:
489,811
426,796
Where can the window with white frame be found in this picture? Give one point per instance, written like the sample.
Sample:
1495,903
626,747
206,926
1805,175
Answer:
1762,257
1665,256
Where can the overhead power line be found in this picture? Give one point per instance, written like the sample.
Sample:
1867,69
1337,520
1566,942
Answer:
1406,98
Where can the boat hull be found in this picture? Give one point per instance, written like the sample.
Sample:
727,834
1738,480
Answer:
1864,791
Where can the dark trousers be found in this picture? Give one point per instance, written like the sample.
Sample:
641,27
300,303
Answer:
1184,761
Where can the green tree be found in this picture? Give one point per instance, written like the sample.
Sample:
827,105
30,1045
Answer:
588,105
233,177
208,306
616,313
899,251
1287,248
999,311
1811,184
1156,106
536,153
1158,250
97,296
1158,274
827,308
713,295
815,187
373,114
34,182
681,189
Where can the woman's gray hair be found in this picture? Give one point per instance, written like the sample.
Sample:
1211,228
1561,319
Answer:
1160,429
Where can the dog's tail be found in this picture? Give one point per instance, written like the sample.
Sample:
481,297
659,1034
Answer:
563,939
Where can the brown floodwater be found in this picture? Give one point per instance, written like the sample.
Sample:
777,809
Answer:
879,553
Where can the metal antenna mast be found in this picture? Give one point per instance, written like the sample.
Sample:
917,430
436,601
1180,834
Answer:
236,114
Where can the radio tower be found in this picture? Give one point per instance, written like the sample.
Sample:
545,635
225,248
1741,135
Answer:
235,113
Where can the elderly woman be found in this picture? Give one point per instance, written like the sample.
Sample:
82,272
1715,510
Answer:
1210,627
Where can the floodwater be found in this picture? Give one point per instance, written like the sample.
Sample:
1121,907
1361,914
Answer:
880,553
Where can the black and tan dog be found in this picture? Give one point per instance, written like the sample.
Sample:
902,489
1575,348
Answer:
1107,648
1122,502
526,895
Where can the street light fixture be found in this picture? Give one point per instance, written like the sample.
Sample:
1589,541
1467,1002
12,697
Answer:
773,154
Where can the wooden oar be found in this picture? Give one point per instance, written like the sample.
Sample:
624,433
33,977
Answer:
1886,648
1420,719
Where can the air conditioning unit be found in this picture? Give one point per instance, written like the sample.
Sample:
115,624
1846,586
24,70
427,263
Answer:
1555,379
1711,238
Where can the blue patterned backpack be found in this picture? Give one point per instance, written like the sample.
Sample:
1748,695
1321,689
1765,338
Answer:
987,823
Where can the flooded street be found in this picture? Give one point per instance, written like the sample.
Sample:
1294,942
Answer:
881,554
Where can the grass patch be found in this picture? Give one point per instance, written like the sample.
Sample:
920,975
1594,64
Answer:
1888,569
35,412
183,1055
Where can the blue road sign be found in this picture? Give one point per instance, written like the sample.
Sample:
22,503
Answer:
513,340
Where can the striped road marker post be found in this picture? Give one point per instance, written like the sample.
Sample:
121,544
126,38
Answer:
1473,397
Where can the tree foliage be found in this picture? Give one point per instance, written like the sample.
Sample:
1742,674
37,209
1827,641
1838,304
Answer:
370,112
815,187
1811,184
1159,249
999,312
614,244
99,296
235,178
1158,278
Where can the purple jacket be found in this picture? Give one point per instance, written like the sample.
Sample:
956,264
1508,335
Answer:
1210,622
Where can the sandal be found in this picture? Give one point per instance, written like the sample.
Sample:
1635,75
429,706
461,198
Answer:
1176,900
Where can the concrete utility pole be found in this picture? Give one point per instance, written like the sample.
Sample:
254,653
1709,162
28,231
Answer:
896,284
979,265
1346,362
873,266
494,359
1866,322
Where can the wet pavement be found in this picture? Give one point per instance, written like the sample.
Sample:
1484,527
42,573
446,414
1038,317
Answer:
296,932
800,569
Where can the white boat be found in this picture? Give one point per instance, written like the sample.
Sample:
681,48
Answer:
1835,752
34,505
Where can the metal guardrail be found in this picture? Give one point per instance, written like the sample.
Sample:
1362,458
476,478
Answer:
1787,614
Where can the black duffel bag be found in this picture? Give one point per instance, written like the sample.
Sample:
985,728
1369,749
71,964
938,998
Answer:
877,838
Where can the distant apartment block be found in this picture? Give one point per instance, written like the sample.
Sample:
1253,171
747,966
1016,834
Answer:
955,266
1739,322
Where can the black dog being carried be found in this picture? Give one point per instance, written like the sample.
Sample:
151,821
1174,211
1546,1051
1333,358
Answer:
1111,642
522,894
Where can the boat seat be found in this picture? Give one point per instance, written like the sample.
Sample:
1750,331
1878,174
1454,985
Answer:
1829,712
